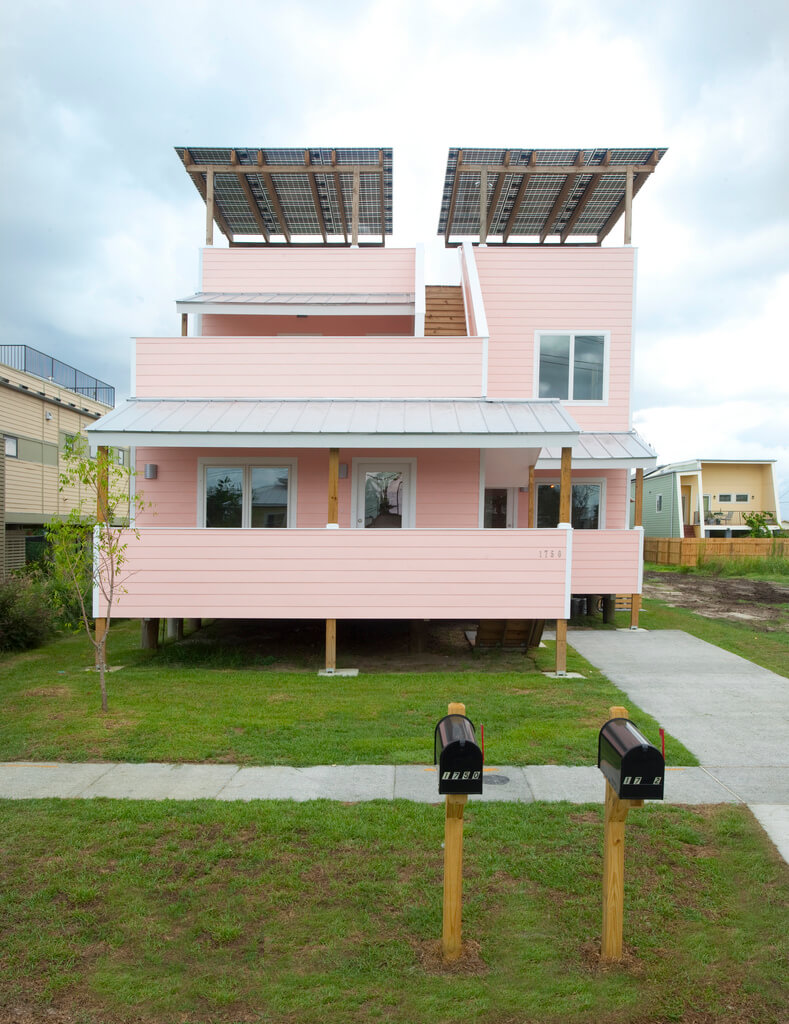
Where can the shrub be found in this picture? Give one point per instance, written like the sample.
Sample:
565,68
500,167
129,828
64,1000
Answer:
25,618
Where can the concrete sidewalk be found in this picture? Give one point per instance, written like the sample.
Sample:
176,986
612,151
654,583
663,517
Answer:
355,783
732,714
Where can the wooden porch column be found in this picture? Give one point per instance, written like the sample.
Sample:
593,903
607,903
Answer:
628,206
333,520
565,507
638,520
209,208
102,501
184,324
355,208
532,505
483,206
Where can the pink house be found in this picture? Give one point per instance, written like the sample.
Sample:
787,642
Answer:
330,437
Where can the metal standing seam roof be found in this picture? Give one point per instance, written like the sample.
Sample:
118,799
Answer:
603,450
326,422
253,197
548,191
290,302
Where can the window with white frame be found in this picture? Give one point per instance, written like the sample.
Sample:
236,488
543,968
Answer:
587,505
572,365
741,497
247,494
724,497
11,446
659,503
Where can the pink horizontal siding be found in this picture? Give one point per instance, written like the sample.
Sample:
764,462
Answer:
308,269
394,367
606,561
241,325
551,288
360,574
447,484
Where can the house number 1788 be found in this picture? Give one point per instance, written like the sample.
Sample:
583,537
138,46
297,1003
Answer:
549,552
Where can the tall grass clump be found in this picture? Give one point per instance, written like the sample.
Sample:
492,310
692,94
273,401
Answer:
746,565
25,616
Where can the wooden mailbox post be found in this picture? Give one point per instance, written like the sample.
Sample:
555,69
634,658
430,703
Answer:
451,935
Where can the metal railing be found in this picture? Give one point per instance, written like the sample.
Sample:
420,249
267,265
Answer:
735,518
30,360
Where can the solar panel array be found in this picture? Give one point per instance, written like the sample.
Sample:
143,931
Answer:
541,193
294,192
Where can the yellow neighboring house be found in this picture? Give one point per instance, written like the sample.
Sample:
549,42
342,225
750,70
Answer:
43,403
709,497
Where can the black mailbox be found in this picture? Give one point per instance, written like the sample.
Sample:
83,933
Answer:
628,760
457,755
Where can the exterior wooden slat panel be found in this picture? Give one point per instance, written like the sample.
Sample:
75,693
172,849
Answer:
606,561
308,270
346,574
236,367
545,288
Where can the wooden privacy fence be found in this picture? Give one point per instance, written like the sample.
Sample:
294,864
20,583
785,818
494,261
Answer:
692,550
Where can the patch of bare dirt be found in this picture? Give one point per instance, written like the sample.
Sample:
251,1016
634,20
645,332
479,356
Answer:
48,691
431,958
719,597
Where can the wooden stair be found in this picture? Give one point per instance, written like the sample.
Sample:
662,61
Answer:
445,313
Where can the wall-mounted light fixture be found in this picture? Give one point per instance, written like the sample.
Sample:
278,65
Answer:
151,471
47,415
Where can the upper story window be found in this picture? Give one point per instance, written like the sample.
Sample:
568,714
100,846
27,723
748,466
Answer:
572,365
235,494
11,446
724,497
741,497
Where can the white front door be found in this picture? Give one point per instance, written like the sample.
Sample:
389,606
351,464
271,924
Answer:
383,494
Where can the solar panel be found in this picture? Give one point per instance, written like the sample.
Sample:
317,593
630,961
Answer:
572,202
245,198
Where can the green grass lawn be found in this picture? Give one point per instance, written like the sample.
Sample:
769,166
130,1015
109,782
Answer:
121,911
163,710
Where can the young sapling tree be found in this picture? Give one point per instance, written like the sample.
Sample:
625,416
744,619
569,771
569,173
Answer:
88,546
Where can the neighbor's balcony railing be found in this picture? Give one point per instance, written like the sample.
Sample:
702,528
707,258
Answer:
288,367
30,360
732,517
359,574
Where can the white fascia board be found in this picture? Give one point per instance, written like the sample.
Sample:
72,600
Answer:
303,309
420,307
475,288
312,440
579,464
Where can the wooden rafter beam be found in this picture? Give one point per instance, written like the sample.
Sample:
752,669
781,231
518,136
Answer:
532,164
253,206
494,199
355,206
638,181
269,183
555,170
453,198
194,168
316,198
200,185
340,200
561,199
583,201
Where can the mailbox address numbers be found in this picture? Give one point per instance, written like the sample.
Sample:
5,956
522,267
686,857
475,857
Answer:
550,553
638,780
455,776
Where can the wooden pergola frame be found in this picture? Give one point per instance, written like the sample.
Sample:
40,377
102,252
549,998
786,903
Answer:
265,170
635,176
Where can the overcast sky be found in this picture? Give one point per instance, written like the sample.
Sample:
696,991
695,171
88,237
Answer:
101,225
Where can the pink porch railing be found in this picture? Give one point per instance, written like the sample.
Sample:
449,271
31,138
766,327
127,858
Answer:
396,367
358,574
607,561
